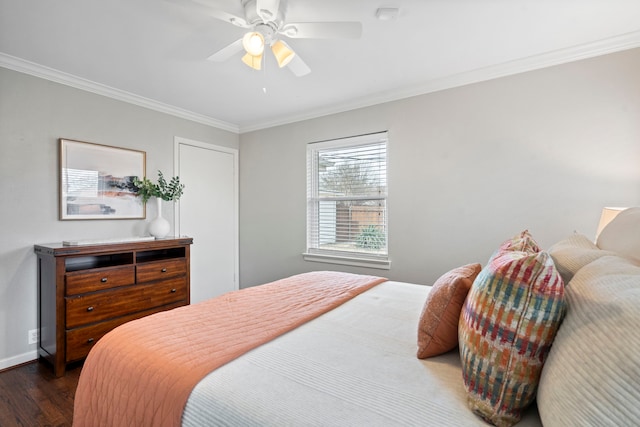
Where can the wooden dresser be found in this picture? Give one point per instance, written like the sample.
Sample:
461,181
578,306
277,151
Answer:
85,291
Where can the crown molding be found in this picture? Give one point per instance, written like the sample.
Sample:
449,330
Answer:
535,62
37,70
531,63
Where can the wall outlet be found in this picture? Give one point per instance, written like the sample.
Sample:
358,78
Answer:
33,336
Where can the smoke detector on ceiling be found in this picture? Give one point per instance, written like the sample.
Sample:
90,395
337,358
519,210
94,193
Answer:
387,13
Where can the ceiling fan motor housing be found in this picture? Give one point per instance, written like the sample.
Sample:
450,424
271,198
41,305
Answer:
267,17
267,32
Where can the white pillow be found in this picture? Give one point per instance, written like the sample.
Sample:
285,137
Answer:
591,375
573,253
622,235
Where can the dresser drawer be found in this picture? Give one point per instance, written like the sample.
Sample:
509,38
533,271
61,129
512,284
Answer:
165,292
80,340
164,269
100,306
79,282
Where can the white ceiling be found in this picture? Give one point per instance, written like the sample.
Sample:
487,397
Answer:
153,52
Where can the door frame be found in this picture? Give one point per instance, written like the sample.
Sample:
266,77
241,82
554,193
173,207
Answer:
177,142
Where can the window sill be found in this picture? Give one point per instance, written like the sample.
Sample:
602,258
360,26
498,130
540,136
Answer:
352,261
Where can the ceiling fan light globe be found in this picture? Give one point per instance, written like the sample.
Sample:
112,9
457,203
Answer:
253,61
253,43
283,53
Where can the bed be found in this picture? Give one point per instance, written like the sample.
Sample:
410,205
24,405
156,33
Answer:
353,362
353,365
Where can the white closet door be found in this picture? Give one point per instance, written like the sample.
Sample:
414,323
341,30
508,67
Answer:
208,212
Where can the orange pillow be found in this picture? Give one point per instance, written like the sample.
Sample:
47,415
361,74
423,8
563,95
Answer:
438,326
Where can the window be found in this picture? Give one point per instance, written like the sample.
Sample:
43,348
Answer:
347,201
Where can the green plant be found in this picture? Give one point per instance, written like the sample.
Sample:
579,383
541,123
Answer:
145,189
168,191
370,237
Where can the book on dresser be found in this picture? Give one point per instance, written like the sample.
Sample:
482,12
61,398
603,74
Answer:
84,291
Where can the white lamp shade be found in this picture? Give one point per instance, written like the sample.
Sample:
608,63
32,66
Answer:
282,52
606,217
253,61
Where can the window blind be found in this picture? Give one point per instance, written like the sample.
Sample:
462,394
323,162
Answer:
347,197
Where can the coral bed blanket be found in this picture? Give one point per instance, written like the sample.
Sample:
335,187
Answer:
141,373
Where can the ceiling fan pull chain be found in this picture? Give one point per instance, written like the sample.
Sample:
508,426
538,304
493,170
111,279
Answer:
264,76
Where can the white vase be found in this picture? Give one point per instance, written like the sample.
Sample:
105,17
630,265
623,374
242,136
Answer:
159,226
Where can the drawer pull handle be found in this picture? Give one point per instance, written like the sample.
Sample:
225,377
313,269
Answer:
103,280
164,270
173,290
90,340
90,308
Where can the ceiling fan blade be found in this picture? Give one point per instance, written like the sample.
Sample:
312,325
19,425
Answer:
227,52
267,10
205,8
298,66
323,30
230,18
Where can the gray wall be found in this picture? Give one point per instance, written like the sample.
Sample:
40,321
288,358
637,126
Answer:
468,168
34,113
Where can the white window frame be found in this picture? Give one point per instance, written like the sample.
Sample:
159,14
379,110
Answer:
313,252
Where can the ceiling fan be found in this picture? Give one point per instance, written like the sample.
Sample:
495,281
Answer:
266,23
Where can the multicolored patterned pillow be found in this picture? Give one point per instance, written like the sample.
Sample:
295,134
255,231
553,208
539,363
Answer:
521,242
507,325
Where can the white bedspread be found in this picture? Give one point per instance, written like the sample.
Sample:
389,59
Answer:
354,366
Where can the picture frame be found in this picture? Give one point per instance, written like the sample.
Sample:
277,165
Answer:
96,181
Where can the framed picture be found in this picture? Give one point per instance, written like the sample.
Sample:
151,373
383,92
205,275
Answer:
96,181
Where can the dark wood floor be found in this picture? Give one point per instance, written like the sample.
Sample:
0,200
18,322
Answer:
31,396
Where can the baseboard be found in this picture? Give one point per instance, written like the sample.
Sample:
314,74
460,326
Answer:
10,362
